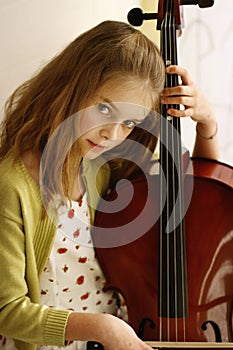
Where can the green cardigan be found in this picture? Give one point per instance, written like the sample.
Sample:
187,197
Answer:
26,239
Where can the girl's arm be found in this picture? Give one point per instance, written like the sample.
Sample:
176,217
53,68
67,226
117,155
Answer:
112,332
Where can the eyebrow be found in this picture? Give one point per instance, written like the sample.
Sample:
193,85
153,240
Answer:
105,99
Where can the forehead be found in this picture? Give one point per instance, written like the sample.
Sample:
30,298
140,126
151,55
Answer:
127,90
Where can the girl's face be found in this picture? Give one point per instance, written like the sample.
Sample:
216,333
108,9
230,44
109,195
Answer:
116,109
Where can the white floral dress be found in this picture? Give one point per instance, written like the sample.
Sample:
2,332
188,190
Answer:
72,278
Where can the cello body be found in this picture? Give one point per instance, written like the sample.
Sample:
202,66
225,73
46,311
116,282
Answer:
132,267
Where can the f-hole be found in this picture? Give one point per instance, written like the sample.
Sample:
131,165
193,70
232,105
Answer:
218,337
142,326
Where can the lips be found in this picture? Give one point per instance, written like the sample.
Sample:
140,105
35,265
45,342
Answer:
95,146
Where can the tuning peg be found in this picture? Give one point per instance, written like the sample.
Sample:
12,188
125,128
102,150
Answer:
200,3
136,16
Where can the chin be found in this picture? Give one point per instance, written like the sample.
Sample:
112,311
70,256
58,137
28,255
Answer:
92,155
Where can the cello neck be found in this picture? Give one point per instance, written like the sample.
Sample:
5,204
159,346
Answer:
172,258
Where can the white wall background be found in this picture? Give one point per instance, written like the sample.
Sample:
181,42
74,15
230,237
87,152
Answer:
32,31
206,49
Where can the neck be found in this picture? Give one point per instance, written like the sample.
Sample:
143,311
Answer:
32,163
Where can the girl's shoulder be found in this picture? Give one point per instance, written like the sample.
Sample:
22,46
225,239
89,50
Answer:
8,169
15,179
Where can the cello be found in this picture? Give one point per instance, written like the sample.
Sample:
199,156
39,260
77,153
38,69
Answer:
176,277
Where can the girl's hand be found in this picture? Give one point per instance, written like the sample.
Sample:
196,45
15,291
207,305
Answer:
110,331
196,105
120,336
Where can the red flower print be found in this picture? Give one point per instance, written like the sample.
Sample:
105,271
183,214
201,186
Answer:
65,289
76,233
80,202
97,278
84,308
70,300
85,296
71,213
98,302
110,302
62,250
82,259
80,280
43,292
65,268
59,226
97,292
77,246
50,280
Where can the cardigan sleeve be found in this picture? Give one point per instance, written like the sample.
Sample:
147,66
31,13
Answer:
22,318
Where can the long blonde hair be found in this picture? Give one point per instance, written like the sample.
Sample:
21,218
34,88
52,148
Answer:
68,82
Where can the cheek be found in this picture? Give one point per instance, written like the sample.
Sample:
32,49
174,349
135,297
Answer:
126,132
88,120
84,123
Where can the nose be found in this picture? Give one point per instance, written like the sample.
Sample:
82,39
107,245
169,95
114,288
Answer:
111,131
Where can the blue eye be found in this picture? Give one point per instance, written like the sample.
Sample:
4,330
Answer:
104,109
129,123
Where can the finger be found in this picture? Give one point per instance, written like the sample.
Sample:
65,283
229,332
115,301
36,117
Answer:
180,100
185,90
182,72
188,112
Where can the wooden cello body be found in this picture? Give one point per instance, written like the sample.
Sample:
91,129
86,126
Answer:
132,268
169,251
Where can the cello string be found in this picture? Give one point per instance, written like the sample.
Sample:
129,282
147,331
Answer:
178,255
167,188
173,179
164,191
180,213
161,201
170,139
162,240
181,209
176,188
169,172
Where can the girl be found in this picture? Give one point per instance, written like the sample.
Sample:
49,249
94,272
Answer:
94,95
